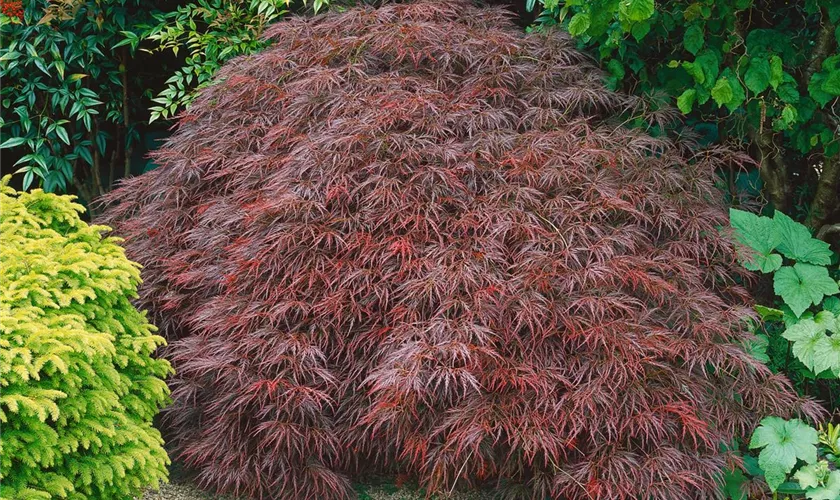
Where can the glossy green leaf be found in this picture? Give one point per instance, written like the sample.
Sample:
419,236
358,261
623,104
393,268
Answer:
62,134
12,142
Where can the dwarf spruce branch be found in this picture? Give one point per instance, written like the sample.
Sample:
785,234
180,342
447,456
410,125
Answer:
78,384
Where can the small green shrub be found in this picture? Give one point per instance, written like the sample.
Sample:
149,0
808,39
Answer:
805,271
794,458
78,388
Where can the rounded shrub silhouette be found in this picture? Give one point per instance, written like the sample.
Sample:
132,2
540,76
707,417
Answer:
412,239
78,388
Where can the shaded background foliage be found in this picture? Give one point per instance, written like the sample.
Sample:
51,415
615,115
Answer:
82,80
762,74
415,240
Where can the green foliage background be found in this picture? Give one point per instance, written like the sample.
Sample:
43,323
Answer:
799,335
82,80
78,387
764,74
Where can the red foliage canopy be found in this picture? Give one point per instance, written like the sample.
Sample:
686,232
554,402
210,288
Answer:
414,239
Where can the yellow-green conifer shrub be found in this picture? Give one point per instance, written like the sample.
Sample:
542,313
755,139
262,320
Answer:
78,385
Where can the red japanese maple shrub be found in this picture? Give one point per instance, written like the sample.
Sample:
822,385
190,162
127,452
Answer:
413,239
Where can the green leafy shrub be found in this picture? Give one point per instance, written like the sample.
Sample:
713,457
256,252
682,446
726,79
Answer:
77,82
794,457
79,388
211,32
805,281
68,98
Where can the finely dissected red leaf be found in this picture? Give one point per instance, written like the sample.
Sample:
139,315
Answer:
413,240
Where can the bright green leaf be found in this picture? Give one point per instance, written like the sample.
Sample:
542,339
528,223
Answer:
769,313
760,234
579,23
802,285
738,94
695,70
783,443
776,71
722,92
827,320
798,244
636,10
827,355
813,475
807,337
787,118
686,101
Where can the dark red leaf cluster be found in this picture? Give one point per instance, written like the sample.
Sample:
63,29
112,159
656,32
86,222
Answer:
12,8
413,240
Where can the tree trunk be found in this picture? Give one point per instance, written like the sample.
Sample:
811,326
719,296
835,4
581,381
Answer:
772,167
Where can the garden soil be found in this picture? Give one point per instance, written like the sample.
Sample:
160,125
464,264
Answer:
183,490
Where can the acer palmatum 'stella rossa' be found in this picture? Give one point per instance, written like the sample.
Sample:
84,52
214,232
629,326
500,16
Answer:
413,239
